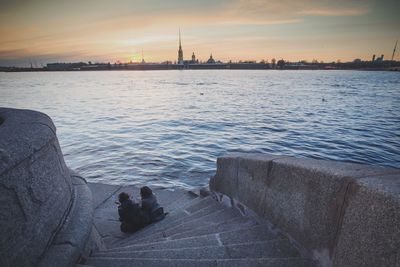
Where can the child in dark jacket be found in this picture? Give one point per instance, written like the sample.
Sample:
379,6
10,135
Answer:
130,214
152,211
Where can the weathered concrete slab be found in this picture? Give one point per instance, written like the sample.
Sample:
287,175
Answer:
200,228
101,192
212,216
302,197
166,197
198,214
106,262
185,200
309,196
251,234
160,230
264,262
279,262
228,166
275,249
370,224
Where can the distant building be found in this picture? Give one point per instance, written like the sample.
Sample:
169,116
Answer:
193,58
373,57
143,62
211,60
66,66
380,59
180,51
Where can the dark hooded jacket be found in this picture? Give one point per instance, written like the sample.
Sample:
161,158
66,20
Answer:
152,211
130,212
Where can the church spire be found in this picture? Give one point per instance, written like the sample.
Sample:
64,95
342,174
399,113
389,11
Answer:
180,45
180,51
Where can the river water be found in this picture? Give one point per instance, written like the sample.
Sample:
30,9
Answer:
167,128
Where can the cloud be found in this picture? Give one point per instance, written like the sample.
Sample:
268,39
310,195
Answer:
114,30
13,53
253,21
335,11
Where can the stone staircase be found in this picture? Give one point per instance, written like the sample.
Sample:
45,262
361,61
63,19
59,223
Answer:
198,231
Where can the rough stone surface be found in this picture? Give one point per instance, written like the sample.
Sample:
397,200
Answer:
371,223
251,234
69,243
273,249
35,186
209,219
101,192
201,228
305,198
267,262
228,166
197,232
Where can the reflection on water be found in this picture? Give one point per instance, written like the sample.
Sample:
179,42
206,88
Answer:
167,127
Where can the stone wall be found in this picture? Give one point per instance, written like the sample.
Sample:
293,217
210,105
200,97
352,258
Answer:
342,214
36,189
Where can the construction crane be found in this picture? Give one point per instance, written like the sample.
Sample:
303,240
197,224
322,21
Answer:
394,50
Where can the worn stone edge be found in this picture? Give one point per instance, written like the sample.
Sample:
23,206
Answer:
69,244
231,201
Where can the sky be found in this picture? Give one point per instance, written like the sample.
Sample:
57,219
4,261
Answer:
46,31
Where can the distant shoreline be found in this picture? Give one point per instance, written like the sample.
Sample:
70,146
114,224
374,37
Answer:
375,65
204,68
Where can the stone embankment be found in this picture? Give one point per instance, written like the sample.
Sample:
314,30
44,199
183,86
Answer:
263,210
341,214
198,231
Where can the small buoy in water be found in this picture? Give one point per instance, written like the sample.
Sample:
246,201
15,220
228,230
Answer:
201,93
323,99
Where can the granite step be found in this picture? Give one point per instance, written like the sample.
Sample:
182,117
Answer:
251,234
196,229
259,262
181,211
264,249
223,226
176,219
212,207
113,236
180,204
205,206
209,219
106,213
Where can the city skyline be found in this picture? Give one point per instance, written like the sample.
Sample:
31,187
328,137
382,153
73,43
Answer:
51,31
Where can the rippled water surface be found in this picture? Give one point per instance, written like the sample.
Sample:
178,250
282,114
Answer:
168,127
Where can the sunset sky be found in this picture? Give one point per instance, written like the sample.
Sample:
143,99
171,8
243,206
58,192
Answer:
44,31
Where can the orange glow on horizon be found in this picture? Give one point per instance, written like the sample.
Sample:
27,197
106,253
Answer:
238,30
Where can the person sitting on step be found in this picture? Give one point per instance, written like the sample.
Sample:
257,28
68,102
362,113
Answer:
152,211
130,214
